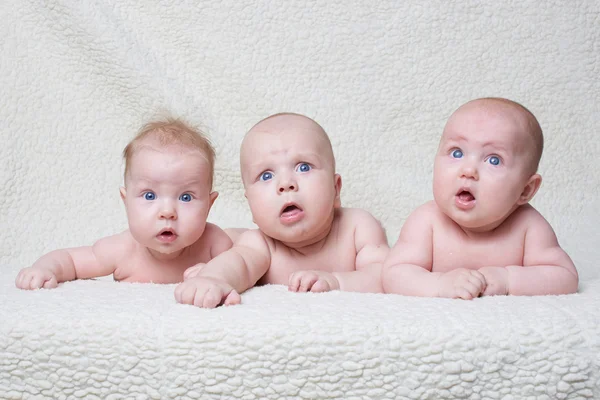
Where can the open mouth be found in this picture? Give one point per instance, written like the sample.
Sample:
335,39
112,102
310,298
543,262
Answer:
289,209
167,235
465,196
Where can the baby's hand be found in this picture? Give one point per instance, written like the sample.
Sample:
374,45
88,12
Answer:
36,278
496,279
206,292
193,271
461,283
313,281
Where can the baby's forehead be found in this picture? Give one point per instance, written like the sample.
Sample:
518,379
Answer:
499,108
153,145
149,153
291,137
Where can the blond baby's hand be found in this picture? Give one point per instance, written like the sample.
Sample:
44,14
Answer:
461,283
496,279
191,272
35,278
313,281
206,292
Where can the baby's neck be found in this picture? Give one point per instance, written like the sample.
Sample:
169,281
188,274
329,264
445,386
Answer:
312,245
308,248
164,257
489,229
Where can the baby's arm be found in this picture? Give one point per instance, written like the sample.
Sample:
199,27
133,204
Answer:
70,264
372,248
547,269
407,269
232,272
218,240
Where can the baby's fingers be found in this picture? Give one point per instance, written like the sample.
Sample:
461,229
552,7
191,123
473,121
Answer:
476,285
474,288
24,279
464,293
213,297
307,282
479,277
294,282
320,286
185,293
50,283
20,280
233,298
39,279
302,281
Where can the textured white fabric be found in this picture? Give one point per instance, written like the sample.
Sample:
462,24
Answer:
102,339
77,79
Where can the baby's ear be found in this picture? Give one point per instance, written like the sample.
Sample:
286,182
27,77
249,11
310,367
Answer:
123,192
213,196
531,188
338,188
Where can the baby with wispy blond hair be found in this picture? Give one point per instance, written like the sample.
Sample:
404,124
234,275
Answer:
167,194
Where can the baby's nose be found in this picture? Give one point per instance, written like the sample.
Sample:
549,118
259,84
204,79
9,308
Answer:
168,212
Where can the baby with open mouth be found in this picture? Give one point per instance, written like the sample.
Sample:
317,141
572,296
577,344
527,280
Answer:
305,239
479,236
167,195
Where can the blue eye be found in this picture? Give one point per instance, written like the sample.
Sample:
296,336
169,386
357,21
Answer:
303,167
186,197
494,160
149,196
457,153
265,176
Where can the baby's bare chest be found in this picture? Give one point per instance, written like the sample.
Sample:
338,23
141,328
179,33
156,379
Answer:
334,257
453,251
141,267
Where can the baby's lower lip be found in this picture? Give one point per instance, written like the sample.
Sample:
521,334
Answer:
166,238
464,202
291,216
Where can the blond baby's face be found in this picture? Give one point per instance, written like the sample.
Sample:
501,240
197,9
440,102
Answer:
290,181
482,170
167,197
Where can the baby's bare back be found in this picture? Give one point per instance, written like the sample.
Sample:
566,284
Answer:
336,253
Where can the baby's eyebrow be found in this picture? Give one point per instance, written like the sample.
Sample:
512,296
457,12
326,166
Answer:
309,156
251,168
496,146
141,181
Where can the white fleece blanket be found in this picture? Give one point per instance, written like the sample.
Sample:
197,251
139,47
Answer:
77,79
102,339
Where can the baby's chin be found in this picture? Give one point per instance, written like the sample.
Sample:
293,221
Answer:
166,254
477,225
299,238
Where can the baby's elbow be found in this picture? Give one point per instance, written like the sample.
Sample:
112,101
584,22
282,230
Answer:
572,283
566,283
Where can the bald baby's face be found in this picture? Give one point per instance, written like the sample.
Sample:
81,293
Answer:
289,178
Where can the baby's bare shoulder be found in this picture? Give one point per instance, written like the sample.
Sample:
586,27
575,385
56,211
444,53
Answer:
116,249
255,239
525,217
119,243
428,214
213,242
212,233
352,216
359,228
